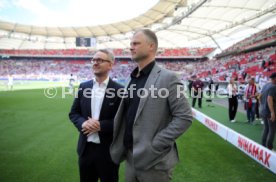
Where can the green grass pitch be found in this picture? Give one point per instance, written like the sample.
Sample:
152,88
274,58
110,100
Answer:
38,144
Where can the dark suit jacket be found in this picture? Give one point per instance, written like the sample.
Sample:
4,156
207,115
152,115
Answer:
81,110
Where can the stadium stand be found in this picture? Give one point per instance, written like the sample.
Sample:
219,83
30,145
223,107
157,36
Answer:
220,69
54,62
235,65
183,52
264,37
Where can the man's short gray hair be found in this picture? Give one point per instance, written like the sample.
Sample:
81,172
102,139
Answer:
151,36
109,54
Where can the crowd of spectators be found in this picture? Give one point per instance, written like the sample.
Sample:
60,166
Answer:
56,70
183,52
256,39
240,67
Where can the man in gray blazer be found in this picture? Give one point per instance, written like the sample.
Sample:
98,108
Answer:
152,114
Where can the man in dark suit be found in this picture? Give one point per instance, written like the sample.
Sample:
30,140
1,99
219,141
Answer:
93,113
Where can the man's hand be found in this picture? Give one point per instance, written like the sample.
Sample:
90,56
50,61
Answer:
272,118
90,126
271,108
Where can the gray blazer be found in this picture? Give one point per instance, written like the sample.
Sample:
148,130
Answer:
158,122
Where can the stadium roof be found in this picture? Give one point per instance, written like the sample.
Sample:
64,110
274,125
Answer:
178,23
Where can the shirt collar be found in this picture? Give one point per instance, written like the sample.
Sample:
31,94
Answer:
145,71
104,83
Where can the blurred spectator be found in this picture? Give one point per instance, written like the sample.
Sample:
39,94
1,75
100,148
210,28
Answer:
197,92
10,82
251,92
232,100
268,110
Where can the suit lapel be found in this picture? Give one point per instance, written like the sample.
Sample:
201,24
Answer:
88,99
106,100
150,81
121,106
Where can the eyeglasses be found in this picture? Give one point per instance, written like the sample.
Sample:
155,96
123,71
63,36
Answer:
99,60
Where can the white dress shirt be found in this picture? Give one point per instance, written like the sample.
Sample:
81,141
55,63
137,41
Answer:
98,92
232,89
